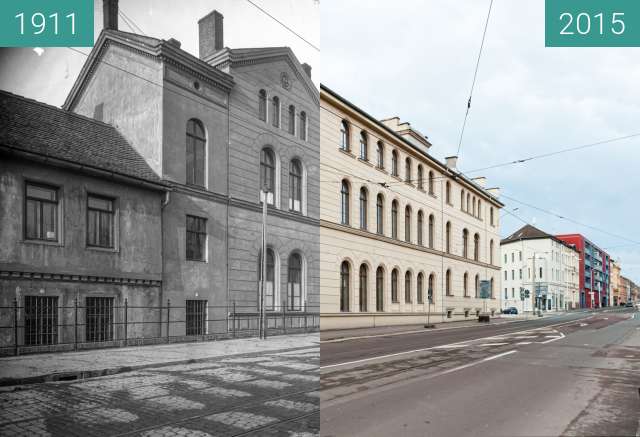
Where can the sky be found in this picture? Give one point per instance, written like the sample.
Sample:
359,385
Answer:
49,77
416,61
418,58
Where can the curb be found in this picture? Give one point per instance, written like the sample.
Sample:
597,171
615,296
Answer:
86,374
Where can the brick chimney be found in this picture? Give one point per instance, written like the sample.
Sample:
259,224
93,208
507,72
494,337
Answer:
451,162
307,69
110,14
211,34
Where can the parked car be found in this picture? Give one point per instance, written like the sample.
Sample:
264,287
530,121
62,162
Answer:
510,310
628,305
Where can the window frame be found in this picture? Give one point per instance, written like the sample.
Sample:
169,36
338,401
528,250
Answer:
114,221
195,142
57,214
198,233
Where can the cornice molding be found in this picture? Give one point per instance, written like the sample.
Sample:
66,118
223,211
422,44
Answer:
9,274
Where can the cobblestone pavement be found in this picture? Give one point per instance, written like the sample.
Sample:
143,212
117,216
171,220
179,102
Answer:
267,394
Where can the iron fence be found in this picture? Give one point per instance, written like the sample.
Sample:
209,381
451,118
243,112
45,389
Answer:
40,324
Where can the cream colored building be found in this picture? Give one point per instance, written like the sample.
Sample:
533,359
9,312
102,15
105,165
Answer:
394,223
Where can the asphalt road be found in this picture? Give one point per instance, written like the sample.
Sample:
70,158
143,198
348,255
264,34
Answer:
580,378
334,352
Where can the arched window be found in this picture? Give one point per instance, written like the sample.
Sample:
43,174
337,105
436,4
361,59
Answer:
407,224
407,170
431,288
420,229
468,202
295,293
432,225
302,129
476,247
477,286
394,163
465,284
196,156
292,120
380,289
462,200
380,214
448,192
380,155
407,287
419,287
447,283
344,203
363,288
394,286
364,146
394,219
268,173
295,186
344,136
431,183
491,252
465,243
491,215
262,105
345,274
473,203
447,241
269,280
275,111
363,208
420,178
479,209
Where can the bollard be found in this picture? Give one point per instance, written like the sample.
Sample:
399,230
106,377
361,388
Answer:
168,314
75,324
15,326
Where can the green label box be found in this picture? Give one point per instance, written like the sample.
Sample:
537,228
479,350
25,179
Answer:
592,23
46,23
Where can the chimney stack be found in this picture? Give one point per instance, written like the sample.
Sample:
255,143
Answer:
480,180
110,14
451,162
211,34
307,69
495,192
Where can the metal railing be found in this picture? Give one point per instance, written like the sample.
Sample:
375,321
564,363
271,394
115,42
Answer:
47,328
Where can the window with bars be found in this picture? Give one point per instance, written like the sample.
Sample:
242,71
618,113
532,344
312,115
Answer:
196,238
41,212
100,222
40,320
99,318
196,316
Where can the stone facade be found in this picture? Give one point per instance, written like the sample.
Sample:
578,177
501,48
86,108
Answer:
359,259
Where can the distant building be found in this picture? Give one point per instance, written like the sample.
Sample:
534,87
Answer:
541,264
595,271
618,294
404,237
629,291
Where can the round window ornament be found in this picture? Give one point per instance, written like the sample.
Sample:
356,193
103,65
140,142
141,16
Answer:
285,80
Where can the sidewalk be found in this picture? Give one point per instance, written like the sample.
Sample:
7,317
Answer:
340,334
30,369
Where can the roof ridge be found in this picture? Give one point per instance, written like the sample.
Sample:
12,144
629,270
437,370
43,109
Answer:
49,106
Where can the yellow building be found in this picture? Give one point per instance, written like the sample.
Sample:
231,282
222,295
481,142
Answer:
399,229
618,295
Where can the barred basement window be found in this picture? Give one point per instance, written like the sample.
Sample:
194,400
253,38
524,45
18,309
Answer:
99,319
100,222
40,320
449,314
466,313
196,238
41,212
196,317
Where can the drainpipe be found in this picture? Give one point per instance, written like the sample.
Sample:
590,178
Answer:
163,204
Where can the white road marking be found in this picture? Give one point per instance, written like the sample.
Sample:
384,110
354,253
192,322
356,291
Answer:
492,344
465,366
553,339
522,343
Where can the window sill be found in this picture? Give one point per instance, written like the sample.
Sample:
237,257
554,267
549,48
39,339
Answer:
365,161
202,261
381,169
346,152
43,242
102,249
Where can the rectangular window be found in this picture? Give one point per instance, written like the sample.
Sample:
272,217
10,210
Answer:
505,275
99,319
513,274
506,296
40,320
520,274
196,317
100,222
41,212
196,238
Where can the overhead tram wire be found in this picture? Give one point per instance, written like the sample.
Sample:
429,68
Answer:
475,75
283,25
133,23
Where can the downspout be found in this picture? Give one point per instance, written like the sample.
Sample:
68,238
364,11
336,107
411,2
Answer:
163,204
228,201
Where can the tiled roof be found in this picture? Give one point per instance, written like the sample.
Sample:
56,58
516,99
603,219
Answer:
529,232
30,126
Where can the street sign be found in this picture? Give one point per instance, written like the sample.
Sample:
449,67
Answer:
485,289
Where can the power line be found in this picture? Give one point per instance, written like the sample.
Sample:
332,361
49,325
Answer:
475,75
283,25
130,20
